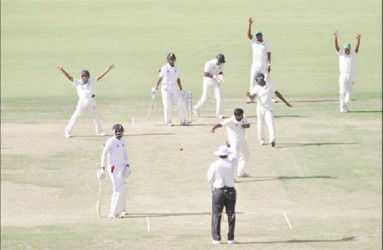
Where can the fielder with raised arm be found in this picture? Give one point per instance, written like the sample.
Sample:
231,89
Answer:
213,78
85,93
261,56
346,71
236,127
169,76
118,168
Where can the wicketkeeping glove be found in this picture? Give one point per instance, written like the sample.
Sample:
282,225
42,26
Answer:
154,91
101,174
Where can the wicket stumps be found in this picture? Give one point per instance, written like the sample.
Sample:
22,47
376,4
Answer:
188,98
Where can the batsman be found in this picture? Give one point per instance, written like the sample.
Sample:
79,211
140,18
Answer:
118,169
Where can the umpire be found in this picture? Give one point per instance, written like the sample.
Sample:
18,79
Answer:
221,178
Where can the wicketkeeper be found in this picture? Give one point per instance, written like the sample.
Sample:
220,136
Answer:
118,169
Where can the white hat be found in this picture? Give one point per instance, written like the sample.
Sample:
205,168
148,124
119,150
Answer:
222,151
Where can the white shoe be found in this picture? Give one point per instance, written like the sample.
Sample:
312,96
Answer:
185,123
112,216
195,112
216,242
220,117
67,135
273,100
169,124
122,214
101,133
231,242
262,142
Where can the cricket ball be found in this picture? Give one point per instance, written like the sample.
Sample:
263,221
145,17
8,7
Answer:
181,149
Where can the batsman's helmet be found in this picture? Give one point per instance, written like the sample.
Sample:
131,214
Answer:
220,58
258,76
85,73
171,57
118,130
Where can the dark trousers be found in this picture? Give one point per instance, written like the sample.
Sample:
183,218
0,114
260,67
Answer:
223,198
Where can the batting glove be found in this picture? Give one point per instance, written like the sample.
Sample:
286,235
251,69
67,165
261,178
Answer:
154,91
127,170
101,174
183,93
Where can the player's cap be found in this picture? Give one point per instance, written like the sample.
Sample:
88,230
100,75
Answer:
85,73
258,33
347,46
222,151
221,58
117,128
258,76
171,56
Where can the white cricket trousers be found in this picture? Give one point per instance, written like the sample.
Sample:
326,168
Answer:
257,68
265,116
171,96
346,83
120,189
210,86
84,104
241,151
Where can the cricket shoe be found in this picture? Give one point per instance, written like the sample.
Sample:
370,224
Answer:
170,124
101,133
195,112
112,216
216,242
231,242
273,144
250,101
262,142
185,123
67,135
220,117
244,175
122,214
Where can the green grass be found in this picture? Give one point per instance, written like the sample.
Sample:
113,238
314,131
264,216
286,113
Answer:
325,172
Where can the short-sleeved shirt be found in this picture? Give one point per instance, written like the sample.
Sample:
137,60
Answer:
169,74
234,128
264,95
116,152
260,50
84,90
212,68
346,62
220,173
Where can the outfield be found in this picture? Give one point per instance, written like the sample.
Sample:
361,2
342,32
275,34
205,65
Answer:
320,188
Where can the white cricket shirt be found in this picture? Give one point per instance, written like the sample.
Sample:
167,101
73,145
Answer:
260,50
84,90
116,152
212,68
346,62
234,127
264,95
169,74
221,173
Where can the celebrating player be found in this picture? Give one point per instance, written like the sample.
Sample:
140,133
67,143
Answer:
86,102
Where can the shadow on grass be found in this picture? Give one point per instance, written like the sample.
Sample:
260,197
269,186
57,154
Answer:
299,241
146,134
270,178
144,215
290,145
366,111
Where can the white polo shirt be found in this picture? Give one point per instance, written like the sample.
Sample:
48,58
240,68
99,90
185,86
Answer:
84,90
234,128
169,74
212,68
116,152
221,174
260,50
346,62
264,95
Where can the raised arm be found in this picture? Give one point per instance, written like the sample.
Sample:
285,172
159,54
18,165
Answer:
336,35
61,68
249,35
106,72
279,95
357,42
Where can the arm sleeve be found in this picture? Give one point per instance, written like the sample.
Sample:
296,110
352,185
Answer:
162,72
126,157
210,175
105,152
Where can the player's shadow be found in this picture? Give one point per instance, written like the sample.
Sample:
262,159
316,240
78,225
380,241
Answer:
144,215
278,116
366,111
147,134
290,145
345,239
283,178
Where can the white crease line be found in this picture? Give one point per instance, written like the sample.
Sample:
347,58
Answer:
147,223
287,220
